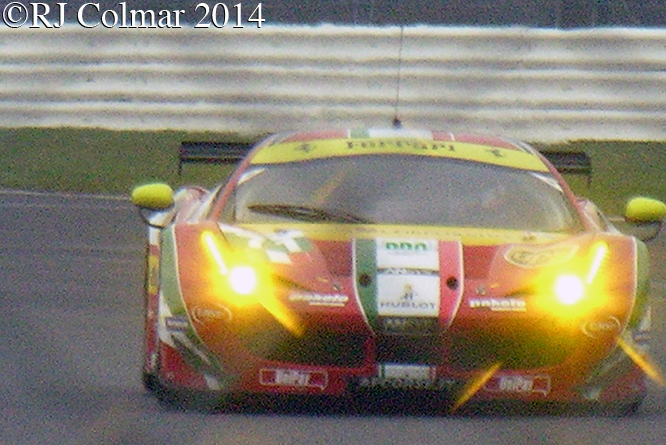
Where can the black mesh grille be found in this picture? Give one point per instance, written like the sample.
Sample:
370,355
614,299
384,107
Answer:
426,350
512,347
269,340
321,348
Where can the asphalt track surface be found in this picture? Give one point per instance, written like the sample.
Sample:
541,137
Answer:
70,330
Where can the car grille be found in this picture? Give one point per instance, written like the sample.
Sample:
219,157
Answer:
314,347
424,350
513,347
324,349
513,344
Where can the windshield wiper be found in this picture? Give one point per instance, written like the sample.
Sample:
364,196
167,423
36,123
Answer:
306,213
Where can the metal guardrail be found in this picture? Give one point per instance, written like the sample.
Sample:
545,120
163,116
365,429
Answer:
532,84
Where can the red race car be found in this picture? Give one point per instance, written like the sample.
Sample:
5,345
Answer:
346,263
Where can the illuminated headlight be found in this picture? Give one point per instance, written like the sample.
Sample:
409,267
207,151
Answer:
243,280
251,284
577,288
569,289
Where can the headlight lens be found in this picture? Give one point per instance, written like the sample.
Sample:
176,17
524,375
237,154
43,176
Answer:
576,288
569,289
243,280
250,284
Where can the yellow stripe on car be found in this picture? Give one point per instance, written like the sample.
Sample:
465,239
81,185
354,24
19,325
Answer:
304,151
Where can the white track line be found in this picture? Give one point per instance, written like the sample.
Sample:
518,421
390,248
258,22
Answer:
65,194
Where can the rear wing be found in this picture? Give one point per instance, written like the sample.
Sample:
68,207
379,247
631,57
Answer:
570,162
211,152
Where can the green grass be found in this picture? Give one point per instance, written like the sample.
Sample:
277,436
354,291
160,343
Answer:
113,162
620,170
100,161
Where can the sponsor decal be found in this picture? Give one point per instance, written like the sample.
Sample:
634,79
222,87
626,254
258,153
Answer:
395,376
405,383
601,327
407,253
528,257
415,144
397,279
409,325
406,247
202,314
499,304
327,300
408,282
177,331
406,271
407,303
408,293
177,323
408,296
294,378
519,384
300,151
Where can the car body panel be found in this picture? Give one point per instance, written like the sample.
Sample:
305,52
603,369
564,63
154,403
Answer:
336,308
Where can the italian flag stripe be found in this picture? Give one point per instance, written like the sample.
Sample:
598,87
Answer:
365,265
359,134
169,275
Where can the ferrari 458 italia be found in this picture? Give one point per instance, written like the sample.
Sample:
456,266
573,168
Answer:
343,263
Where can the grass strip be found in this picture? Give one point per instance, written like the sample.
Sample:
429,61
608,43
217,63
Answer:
99,161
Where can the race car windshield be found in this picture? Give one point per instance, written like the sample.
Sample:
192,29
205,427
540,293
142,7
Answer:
405,190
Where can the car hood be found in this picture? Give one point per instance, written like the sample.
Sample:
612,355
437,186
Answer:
387,281
313,256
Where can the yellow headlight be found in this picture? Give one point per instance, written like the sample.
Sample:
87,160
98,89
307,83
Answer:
243,280
569,289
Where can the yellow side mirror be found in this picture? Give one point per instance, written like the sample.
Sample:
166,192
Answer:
155,197
642,210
